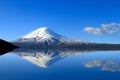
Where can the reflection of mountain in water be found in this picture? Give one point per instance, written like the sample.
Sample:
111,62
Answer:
44,58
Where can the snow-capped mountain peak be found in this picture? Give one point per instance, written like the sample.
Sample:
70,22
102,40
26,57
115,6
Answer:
44,37
43,32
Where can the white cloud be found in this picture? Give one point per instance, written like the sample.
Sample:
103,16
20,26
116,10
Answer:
93,30
105,29
104,65
111,28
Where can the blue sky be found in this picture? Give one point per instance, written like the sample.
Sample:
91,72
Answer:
66,17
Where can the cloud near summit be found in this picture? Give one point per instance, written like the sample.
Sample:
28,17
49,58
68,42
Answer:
104,29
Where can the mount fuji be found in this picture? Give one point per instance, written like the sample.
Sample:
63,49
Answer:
45,37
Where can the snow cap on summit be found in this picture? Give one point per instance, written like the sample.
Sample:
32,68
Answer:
45,37
42,32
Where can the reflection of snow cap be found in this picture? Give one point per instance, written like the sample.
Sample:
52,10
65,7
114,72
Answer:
40,60
44,58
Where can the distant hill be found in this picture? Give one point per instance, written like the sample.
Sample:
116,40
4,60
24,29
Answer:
6,47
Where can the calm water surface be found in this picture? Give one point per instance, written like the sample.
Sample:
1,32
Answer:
60,65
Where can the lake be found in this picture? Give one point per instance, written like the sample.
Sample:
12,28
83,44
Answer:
34,64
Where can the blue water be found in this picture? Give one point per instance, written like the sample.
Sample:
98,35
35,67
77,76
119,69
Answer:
99,65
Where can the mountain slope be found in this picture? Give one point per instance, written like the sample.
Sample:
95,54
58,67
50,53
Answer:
41,33
44,37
